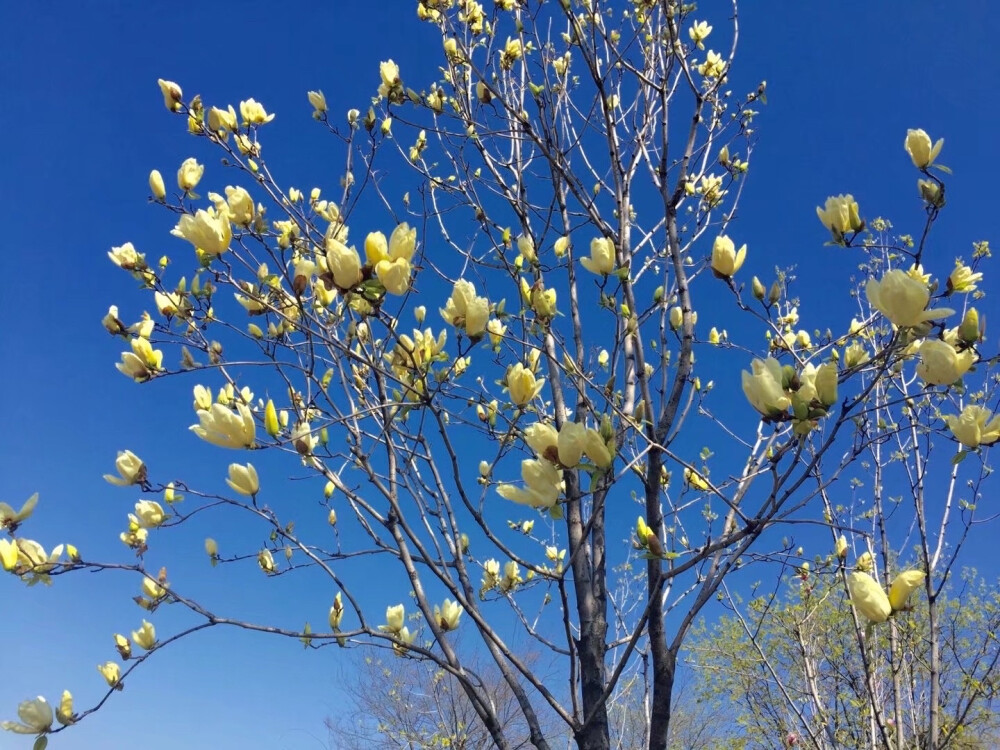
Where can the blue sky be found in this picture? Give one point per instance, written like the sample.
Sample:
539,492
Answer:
83,124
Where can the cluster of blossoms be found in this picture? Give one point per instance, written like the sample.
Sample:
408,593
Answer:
782,393
904,297
28,560
871,600
506,581
555,451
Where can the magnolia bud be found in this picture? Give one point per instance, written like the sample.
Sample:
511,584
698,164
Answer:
968,330
676,317
775,294
931,192
758,289
156,185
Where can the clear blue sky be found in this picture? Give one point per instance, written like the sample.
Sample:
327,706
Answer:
83,123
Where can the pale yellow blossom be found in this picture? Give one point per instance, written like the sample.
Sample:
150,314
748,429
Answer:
975,426
131,470
918,146
903,299
868,597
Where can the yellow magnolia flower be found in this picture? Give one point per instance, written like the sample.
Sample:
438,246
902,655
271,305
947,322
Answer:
131,470
511,576
968,329
172,95
127,258
392,260
145,636
762,387
512,52
695,479
150,514
35,715
647,538
240,206
222,427
904,585
542,301
135,537
714,65
543,439
596,449
391,87
522,385
64,713
491,575
466,310
9,518
868,597
918,146
543,484
212,549
726,260
208,230
156,186
940,364
318,101
222,120
189,175
336,613
253,113
32,555
153,589
144,328
448,614
111,672
817,384
171,304
526,247
699,32
271,419
642,531
903,299
602,256
570,442
112,324
496,330
841,548
266,561
855,354
840,215
676,317
394,617
8,554
243,479
344,263
962,279
124,646
975,426
142,362
931,191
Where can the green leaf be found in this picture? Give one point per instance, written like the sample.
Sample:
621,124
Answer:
959,457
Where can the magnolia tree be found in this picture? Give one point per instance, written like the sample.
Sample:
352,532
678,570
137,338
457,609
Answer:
484,346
